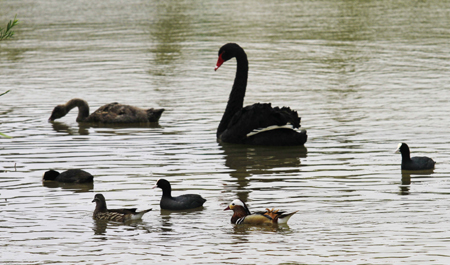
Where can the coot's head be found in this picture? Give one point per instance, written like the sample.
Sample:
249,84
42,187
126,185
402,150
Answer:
403,149
50,175
163,184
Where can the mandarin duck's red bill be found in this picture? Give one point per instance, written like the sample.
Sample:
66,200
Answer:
101,212
242,215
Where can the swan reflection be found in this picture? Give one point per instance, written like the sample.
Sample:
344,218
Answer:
248,160
83,128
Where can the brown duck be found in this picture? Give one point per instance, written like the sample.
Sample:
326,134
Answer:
101,212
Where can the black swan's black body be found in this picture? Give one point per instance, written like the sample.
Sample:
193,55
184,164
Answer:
260,123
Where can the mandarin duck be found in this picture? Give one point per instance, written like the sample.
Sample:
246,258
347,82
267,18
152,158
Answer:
242,215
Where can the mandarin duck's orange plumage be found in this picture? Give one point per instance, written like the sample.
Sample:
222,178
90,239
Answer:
101,212
242,215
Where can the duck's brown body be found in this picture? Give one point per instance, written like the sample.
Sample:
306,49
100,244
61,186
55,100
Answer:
101,212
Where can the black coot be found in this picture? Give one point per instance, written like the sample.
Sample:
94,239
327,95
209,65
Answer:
414,163
69,176
182,202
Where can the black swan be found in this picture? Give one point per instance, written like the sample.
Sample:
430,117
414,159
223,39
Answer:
260,123
414,163
242,215
109,113
182,202
101,212
69,176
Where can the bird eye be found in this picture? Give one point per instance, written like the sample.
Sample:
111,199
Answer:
232,203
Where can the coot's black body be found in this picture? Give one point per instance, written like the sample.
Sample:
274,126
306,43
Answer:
416,162
69,176
182,202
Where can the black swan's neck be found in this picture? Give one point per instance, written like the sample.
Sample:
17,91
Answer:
83,108
236,99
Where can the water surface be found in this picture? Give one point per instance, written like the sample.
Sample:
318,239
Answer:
363,75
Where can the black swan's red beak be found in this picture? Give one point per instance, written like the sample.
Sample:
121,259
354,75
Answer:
219,62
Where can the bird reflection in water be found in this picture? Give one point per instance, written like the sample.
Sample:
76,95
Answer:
405,185
100,226
246,229
83,128
62,127
248,160
76,187
166,217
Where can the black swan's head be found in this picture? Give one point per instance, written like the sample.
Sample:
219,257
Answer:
58,112
226,52
154,114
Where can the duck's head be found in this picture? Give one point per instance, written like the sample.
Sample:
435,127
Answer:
238,205
99,198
